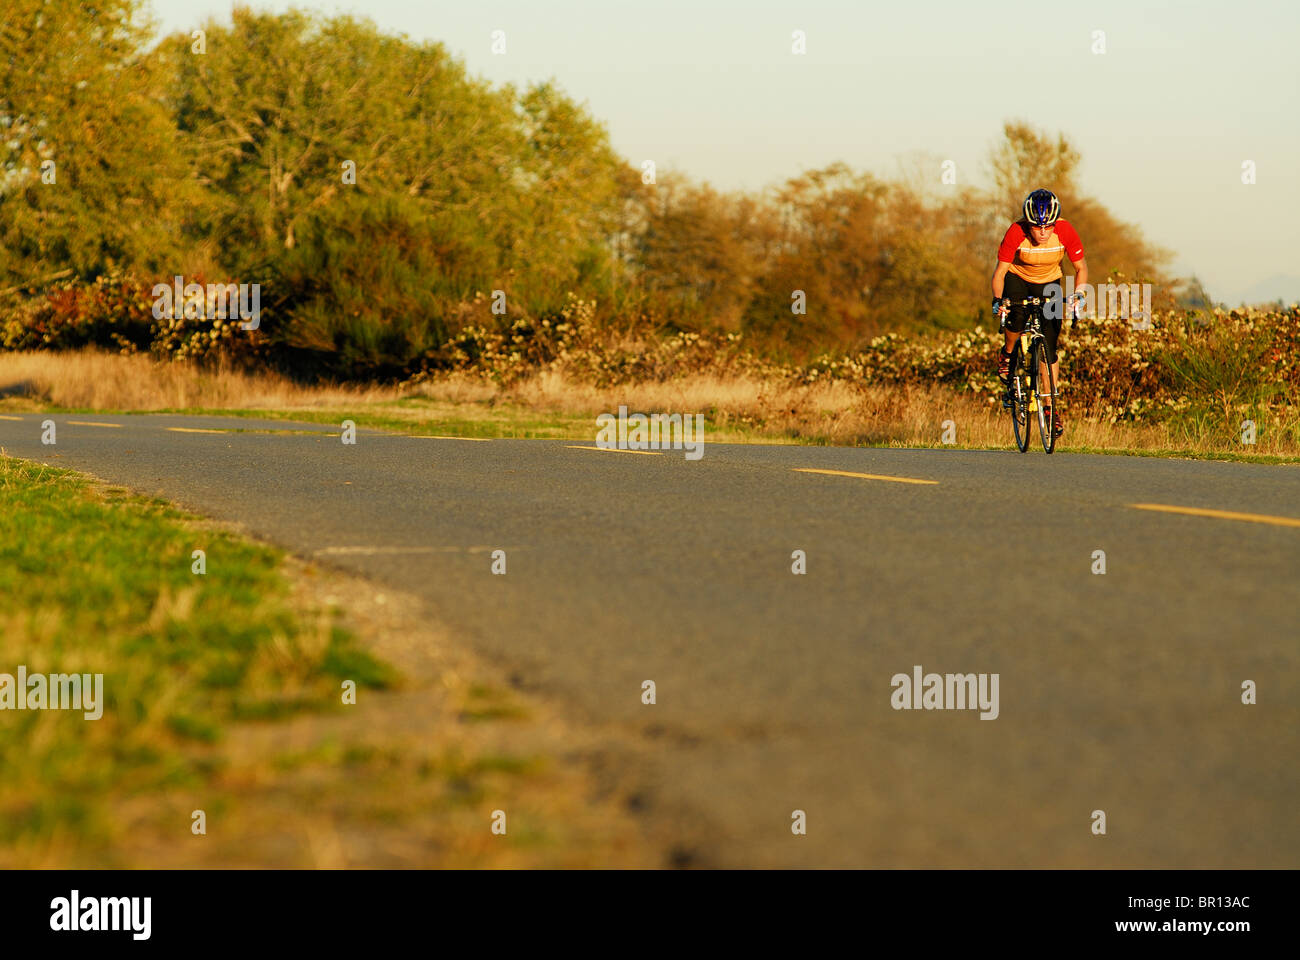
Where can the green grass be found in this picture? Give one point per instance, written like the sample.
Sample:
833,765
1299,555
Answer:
1165,454
103,584
498,421
200,673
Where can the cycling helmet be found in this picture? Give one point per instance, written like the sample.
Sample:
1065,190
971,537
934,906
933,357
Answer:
1042,208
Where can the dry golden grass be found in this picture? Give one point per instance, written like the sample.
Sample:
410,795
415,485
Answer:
837,412
736,407
94,379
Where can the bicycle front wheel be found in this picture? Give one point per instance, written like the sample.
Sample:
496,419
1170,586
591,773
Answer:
1046,387
1020,389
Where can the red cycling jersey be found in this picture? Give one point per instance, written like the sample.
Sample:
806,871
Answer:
1040,263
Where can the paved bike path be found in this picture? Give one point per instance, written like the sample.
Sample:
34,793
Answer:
1118,692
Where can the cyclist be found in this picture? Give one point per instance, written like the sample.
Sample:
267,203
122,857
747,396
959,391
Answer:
1029,264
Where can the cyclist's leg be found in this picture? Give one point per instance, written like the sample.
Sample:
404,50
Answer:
1014,288
1051,333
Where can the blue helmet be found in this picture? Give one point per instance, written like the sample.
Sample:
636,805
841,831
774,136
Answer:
1042,208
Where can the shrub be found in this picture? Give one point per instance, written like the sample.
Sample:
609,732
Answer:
116,313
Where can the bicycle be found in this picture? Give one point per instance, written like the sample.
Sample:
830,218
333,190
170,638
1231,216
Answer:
1023,395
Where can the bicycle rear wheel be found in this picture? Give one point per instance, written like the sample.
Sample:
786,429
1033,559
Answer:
1019,387
1046,387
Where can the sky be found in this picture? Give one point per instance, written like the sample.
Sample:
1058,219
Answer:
1183,95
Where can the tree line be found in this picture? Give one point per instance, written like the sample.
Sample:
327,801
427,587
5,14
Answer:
379,194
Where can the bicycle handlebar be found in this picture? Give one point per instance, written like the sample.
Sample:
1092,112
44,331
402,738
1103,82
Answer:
1031,301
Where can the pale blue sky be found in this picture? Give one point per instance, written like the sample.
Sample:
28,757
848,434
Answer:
1184,93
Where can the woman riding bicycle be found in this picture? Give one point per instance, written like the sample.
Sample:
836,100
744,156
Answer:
1029,263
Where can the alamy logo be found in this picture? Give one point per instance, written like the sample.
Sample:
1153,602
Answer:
949,691
213,301
658,431
103,913
54,691
1106,301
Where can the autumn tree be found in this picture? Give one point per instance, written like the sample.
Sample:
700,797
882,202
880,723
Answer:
92,176
702,253
375,186
1026,160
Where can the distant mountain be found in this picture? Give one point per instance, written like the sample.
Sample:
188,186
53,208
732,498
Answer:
1282,286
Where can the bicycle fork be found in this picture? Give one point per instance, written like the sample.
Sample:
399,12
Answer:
1031,378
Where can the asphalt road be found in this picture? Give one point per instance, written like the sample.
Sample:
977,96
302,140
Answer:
1118,692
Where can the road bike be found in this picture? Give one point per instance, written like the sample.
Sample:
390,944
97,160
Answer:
1031,388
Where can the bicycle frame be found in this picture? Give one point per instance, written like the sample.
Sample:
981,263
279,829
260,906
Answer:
1032,333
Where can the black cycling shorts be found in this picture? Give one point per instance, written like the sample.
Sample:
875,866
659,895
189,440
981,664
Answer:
1017,288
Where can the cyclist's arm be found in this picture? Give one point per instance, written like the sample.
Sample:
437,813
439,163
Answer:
1080,272
1006,256
1069,238
999,278
1080,278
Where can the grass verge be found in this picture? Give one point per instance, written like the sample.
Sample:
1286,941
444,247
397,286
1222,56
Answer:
222,693
102,583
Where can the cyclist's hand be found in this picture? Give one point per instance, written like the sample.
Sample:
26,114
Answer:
1072,304
1000,307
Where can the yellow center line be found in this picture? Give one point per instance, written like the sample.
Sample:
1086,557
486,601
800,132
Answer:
418,436
644,453
864,476
91,423
1221,514
10,418
194,430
